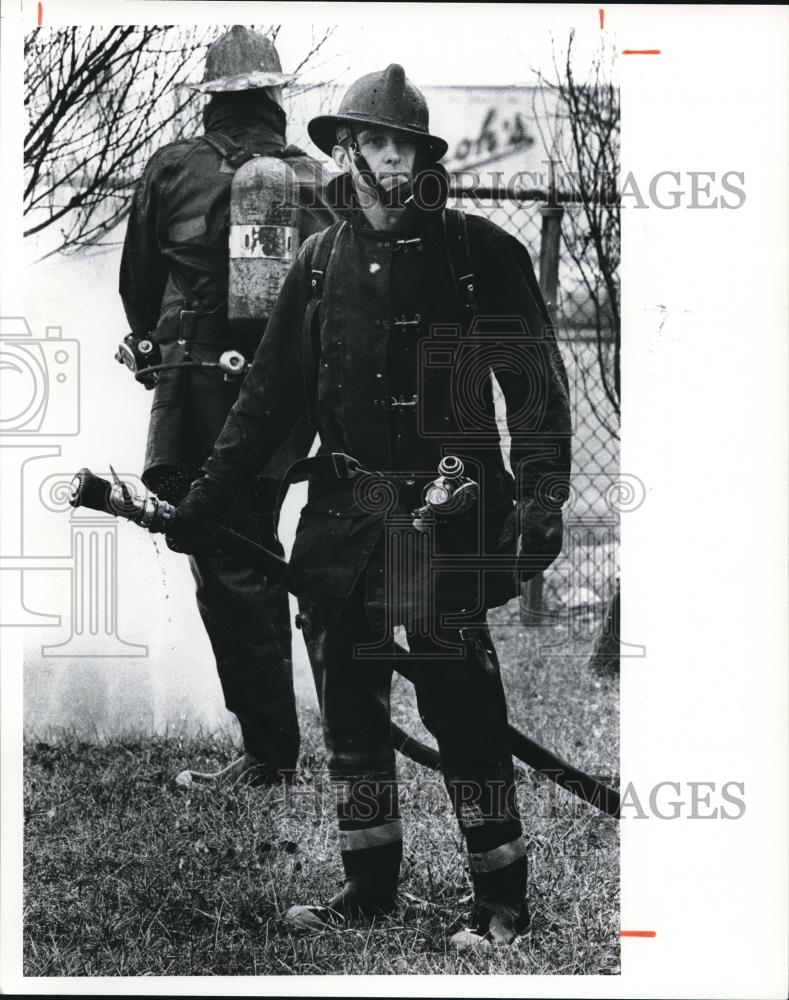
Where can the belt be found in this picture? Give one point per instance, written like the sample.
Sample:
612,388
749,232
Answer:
194,326
335,464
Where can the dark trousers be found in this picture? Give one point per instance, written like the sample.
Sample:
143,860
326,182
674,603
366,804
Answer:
248,624
461,701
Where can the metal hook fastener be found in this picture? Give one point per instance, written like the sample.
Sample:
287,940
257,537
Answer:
347,467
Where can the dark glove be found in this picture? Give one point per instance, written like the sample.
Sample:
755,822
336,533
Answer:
541,535
205,504
537,535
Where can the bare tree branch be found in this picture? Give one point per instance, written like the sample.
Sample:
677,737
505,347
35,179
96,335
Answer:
99,101
585,138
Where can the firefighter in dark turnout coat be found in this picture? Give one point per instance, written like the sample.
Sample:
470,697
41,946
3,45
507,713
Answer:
174,286
403,379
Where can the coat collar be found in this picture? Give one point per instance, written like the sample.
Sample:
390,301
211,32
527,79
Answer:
247,116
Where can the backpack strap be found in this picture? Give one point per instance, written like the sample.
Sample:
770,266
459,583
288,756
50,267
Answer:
460,263
235,157
325,242
229,150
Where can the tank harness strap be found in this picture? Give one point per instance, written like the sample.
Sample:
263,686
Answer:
194,315
325,243
228,149
460,262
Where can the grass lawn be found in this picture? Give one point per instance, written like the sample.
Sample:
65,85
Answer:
126,876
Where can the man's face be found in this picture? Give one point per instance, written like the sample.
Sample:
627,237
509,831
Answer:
389,153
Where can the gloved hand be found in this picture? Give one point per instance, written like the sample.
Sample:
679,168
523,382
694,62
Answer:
190,532
541,535
536,534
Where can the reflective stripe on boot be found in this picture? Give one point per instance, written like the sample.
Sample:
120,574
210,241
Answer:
371,836
497,857
500,878
371,858
501,912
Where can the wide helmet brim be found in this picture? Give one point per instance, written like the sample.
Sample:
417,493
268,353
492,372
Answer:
323,132
243,81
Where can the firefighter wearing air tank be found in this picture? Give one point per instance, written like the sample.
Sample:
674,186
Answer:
407,308
215,223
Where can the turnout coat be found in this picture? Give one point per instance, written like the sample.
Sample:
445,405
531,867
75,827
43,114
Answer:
403,378
175,257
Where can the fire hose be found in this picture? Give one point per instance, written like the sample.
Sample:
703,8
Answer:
159,517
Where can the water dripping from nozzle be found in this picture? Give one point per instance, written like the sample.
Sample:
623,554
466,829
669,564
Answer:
159,559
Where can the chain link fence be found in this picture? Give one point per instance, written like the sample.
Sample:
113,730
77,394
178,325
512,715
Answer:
582,581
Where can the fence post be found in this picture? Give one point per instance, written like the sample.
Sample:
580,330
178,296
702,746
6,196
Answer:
550,246
550,240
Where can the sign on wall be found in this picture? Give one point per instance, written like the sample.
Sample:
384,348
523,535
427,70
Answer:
494,133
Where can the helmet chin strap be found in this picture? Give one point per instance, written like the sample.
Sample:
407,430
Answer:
399,196
425,189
